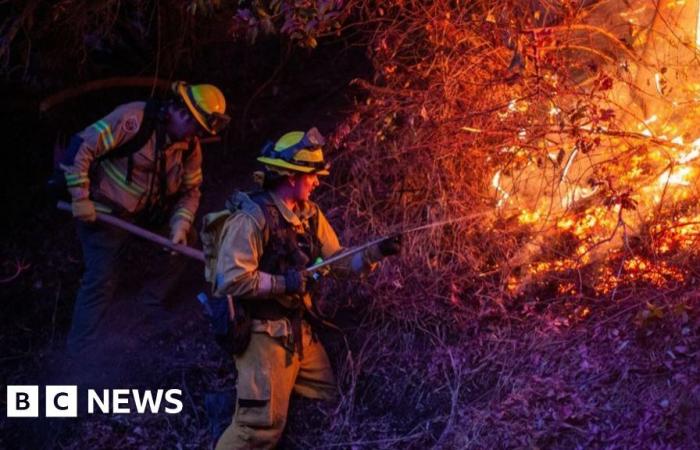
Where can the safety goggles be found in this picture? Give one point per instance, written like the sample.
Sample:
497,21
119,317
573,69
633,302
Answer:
215,121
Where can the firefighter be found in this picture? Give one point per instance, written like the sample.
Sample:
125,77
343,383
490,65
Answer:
266,243
142,162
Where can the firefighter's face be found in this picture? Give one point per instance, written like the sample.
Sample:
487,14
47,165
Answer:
304,185
181,125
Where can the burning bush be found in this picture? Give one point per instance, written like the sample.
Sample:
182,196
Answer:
558,140
572,140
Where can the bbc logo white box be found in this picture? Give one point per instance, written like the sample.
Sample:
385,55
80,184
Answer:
61,401
22,401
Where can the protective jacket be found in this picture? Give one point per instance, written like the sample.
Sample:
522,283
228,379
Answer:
171,169
264,238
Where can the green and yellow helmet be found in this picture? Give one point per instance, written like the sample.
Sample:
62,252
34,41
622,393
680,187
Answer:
297,152
206,103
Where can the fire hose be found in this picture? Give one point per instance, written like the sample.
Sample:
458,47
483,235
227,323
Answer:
359,248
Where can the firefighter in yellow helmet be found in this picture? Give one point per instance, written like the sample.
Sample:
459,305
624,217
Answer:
266,243
142,162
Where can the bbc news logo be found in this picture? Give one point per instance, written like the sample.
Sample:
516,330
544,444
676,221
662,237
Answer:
62,401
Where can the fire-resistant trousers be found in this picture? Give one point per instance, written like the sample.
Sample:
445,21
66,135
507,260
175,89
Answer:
102,247
267,375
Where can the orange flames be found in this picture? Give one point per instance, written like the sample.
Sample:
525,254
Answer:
603,178
599,234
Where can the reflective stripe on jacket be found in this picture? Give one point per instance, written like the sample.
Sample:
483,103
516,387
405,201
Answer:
106,180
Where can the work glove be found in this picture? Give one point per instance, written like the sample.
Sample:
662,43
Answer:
390,246
84,209
178,232
295,282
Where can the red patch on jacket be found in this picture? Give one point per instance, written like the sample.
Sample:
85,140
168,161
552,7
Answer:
131,125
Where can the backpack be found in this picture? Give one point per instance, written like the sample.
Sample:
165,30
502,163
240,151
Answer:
213,225
210,237
56,184
231,333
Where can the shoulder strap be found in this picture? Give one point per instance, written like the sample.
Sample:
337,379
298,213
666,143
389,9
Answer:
313,220
263,200
191,145
148,125
160,163
252,205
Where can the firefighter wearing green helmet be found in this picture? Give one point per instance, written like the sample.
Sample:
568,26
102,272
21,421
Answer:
142,162
268,240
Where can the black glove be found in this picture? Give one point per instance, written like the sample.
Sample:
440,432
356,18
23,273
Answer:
295,282
390,246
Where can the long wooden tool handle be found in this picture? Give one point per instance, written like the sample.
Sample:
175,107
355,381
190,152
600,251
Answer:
138,231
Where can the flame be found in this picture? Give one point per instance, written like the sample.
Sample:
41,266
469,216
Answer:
678,176
697,30
651,119
660,83
692,154
598,224
527,217
502,194
678,235
611,186
638,271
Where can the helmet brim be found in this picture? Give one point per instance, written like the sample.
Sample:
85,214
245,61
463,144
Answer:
274,162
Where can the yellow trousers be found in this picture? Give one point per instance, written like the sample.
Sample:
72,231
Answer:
267,375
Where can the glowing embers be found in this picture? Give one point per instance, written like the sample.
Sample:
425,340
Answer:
672,236
593,226
582,233
632,272
514,106
586,254
637,271
529,217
